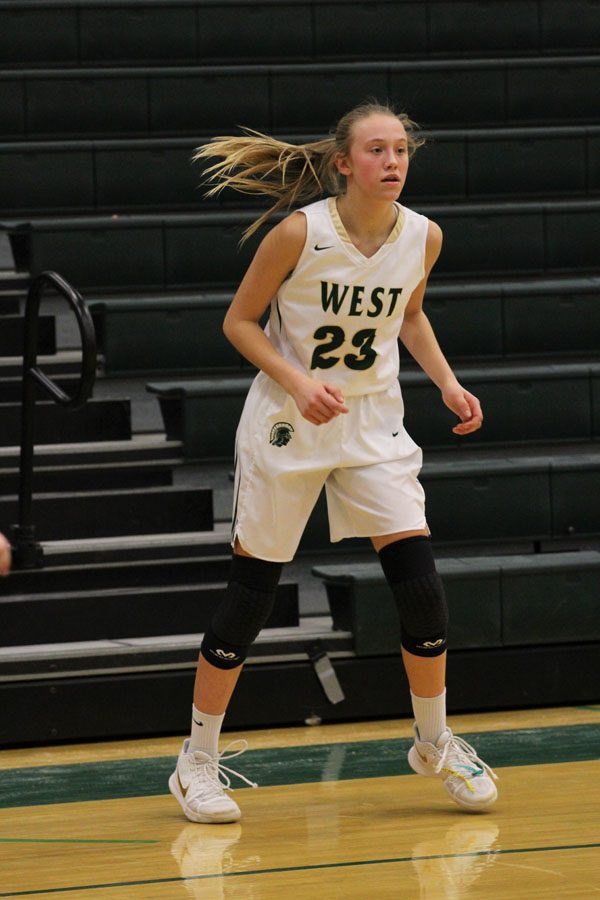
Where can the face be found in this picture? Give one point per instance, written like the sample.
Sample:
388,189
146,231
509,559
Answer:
377,163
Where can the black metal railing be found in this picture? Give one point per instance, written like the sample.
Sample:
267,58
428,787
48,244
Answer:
27,554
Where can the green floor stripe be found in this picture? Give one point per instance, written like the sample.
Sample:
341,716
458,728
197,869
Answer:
71,841
285,869
291,765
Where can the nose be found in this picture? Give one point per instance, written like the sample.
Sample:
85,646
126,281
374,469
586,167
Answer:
390,160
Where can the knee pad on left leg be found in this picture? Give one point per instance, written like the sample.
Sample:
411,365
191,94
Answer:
409,568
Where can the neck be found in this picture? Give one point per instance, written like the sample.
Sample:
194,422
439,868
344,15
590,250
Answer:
366,219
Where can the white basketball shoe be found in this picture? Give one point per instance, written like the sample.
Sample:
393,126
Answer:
199,783
468,780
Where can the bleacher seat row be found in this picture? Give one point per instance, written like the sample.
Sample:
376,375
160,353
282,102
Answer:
127,31
83,176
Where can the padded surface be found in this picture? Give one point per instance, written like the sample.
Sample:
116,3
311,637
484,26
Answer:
145,511
101,257
549,598
316,99
167,339
204,250
553,92
98,420
162,100
208,102
39,35
12,107
253,31
451,94
155,173
370,29
137,32
147,178
532,164
85,104
490,506
483,26
34,179
552,323
572,24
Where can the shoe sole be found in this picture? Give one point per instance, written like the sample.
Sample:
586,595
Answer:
421,768
215,819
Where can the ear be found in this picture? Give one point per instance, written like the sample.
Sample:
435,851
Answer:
341,164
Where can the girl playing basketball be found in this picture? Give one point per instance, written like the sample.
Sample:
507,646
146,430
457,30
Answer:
344,277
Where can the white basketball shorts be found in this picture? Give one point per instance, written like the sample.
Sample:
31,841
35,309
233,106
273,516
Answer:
366,460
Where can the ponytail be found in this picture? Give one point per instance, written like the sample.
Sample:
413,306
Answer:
257,164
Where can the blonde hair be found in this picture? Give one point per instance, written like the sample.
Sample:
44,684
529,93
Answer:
255,163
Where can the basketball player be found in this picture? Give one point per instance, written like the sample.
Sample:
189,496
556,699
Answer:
5,556
344,277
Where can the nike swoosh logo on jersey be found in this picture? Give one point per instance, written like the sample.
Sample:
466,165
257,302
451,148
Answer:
329,247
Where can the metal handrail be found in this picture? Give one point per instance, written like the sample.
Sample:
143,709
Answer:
26,553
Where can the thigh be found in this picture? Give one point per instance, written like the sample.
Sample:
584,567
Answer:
383,498
282,462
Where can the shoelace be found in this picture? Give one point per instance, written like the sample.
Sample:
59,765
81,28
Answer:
452,752
217,771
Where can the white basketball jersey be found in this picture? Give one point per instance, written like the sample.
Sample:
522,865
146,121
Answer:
338,315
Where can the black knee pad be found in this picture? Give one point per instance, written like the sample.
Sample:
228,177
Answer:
409,568
243,612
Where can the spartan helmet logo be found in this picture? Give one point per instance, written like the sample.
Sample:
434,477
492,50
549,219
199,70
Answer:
281,434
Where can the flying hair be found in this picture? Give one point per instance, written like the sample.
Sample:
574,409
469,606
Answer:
258,164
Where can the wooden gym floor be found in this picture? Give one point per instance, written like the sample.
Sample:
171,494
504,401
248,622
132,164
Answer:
337,815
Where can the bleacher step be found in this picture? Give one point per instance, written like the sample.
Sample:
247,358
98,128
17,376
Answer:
519,400
186,250
147,175
96,421
130,548
107,476
118,613
496,601
65,362
66,573
113,512
161,653
141,447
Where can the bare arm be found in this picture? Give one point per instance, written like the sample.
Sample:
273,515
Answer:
5,556
274,260
417,336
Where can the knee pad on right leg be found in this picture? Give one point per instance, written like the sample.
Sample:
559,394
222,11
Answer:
242,614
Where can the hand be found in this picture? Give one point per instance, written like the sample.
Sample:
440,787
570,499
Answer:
5,556
467,408
318,402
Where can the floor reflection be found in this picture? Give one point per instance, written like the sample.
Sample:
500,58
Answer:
207,850
448,866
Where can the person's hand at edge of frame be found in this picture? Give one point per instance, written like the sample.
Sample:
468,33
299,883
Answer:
5,556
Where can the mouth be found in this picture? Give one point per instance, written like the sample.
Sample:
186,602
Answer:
391,179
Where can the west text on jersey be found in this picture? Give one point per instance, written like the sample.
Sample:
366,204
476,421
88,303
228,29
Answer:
333,296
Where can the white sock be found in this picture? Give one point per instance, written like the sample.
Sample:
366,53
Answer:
430,715
205,732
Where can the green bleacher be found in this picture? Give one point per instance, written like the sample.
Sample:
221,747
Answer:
102,103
